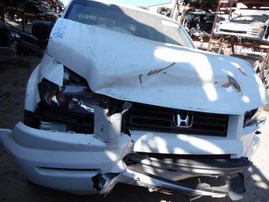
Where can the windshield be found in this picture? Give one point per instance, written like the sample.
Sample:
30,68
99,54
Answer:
129,21
246,19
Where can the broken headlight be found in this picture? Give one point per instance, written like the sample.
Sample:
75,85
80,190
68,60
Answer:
70,105
70,98
251,117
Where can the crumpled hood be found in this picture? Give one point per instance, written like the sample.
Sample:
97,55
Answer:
130,68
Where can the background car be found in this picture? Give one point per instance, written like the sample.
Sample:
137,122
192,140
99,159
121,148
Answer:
246,26
199,24
8,43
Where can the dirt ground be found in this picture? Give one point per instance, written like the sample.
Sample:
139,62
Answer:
14,187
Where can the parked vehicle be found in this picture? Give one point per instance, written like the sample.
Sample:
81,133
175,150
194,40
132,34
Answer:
246,26
199,24
9,43
21,17
123,95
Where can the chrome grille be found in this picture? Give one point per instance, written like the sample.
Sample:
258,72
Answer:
159,119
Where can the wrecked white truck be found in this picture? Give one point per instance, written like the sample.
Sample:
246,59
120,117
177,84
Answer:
122,95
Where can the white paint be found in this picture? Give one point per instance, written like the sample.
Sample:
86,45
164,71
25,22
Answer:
115,68
133,69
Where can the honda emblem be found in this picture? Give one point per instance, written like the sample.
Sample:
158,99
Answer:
183,119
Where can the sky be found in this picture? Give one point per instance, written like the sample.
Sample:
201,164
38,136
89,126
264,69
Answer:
133,2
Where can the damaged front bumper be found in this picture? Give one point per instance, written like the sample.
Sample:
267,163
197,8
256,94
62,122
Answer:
62,161
137,165
83,164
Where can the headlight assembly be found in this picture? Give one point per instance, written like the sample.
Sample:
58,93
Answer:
71,98
70,105
255,28
251,117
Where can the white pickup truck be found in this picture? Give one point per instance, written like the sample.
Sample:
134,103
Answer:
123,95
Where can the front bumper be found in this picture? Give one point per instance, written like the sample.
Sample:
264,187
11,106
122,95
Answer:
255,37
61,161
83,164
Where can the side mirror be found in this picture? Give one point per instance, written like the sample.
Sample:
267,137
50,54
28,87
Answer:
41,29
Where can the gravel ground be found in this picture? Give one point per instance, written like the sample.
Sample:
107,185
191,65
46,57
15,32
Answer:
14,187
